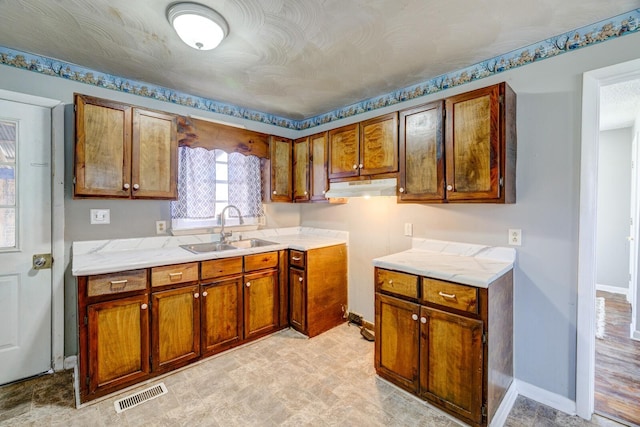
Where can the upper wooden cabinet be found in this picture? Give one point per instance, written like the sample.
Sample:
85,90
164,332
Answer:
123,151
363,149
310,179
281,164
422,153
481,145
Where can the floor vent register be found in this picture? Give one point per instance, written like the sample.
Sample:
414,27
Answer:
140,397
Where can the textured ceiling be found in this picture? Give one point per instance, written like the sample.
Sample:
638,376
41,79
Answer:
293,58
619,104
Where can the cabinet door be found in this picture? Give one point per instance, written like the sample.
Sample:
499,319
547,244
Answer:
297,300
175,327
103,148
344,151
280,169
221,315
118,342
260,303
422,153
379,145
319,184
397,338
473,141
451,362
154,155
301,170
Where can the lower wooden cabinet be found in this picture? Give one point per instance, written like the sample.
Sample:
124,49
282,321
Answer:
297,300
118,344
261,315
448,343
175,327
222,314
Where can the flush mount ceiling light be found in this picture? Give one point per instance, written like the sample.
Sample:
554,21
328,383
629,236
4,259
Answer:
197,25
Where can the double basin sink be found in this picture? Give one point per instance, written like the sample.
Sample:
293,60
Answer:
199,248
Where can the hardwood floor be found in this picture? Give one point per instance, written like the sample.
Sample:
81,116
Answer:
617,382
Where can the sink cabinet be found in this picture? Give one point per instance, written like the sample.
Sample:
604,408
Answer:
317,288
449,343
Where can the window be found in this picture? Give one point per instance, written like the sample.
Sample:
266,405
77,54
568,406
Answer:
8,202
209,181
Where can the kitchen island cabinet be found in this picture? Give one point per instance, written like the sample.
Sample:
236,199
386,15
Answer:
449,343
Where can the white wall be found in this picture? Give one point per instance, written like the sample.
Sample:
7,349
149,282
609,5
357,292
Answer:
549,97
614,209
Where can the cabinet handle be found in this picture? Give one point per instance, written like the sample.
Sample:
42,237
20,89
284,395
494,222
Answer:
300,279
296,258
205,293
173,276
275,192
196,295
355,166
449,187
248,284
119,282
126,186
414,316
324,192
136,186
306,192
401,190
361,165
143,307
423,320
390,282
450,296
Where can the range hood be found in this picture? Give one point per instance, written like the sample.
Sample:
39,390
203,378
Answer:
364,188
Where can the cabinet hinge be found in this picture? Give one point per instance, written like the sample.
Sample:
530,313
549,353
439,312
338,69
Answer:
444,113
501,99
74,180
86,380
501,181
86,320
75,108
484,410
484,338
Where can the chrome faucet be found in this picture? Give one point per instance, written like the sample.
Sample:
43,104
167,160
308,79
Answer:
223,235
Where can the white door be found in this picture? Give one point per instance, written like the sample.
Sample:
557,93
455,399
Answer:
25,230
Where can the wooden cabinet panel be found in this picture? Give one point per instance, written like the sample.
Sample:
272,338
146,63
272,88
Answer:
103,147
344,151
397,344
422,153
301,159
221,314
397,283
175,328
319,177
451,295
174,274
379,145
154,155
451,352
118,348
297,300
281,175
260,261
260,303
116,283
220,267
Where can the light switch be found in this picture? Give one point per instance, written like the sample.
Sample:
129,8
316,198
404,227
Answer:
100,216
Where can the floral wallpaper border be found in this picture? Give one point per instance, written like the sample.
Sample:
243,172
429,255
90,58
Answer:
588,35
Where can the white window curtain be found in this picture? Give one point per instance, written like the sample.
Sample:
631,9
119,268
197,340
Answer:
197,198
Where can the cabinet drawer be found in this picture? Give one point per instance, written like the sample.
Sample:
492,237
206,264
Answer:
451,295
260,261
296,258
114,283
221,267
173,274
397,283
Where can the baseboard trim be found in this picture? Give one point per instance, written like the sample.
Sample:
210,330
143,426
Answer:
502,413
546,397
613,290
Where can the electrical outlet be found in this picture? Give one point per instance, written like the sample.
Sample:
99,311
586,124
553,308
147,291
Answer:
408,229
161,227
100,216
515,237
354,318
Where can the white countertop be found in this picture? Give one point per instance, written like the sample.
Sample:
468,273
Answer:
465,263
108,256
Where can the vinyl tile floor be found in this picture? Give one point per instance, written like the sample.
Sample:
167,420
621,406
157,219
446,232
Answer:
282,380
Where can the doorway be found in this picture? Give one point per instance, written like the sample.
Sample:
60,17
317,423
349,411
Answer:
586,323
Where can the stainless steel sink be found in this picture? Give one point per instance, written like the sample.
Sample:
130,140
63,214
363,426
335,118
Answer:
199,248
251,243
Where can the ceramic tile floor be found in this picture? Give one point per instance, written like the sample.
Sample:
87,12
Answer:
283,380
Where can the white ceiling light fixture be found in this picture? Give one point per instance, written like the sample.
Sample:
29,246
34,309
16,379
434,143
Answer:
197,25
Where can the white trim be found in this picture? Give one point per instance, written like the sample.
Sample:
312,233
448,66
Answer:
70,362
635,335
502,413
613,290
57,217
545,397
585,351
